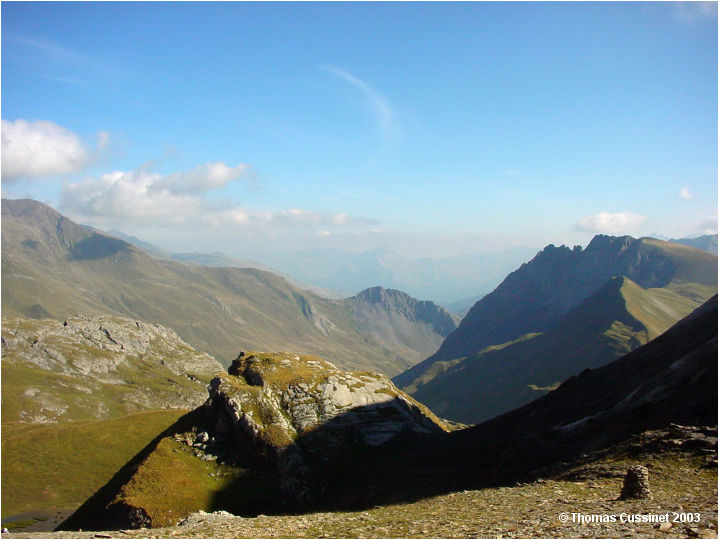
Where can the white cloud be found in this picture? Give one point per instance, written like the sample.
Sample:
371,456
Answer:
203,178
118,197
179,201
38,149
685,193
604,222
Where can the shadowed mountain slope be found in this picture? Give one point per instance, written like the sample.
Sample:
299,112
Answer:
673,378
670,380
54,268
616,319
536,296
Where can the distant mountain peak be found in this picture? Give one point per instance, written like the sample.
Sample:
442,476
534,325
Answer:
379,294
404,305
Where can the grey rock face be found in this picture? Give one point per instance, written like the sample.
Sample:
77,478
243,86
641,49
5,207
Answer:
394,301
636,484
85,360
295,410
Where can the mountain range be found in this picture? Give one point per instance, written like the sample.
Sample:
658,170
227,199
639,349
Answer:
84,355
563,312
594,331
54,268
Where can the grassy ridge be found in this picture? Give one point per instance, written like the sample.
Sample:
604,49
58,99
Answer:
614,321
61,465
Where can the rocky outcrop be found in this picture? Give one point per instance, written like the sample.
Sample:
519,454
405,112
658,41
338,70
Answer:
270,433
98,367
295,410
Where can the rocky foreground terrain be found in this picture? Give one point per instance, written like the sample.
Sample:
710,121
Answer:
683,481
265,436
299,448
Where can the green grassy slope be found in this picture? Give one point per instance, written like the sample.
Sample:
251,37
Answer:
51,267
617,319
80,398
47,466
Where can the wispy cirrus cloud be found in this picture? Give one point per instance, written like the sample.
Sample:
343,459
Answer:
41,149
385,116
56,62
685,194
606,222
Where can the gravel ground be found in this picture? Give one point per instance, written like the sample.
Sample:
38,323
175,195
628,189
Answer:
685,485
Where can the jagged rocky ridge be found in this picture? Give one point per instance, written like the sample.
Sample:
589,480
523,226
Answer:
283,417
613,321
536,295
564,311
96,368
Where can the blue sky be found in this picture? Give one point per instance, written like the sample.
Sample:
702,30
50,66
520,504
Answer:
432,128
